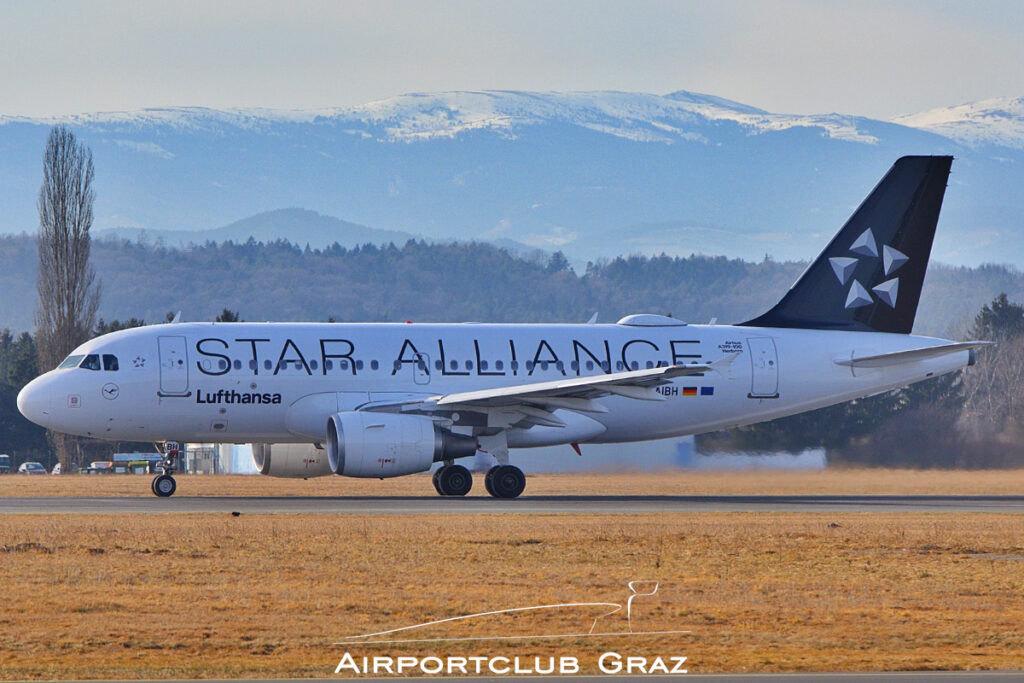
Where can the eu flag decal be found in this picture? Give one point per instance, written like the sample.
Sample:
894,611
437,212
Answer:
707,391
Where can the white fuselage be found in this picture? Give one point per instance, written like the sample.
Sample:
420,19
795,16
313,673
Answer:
280,382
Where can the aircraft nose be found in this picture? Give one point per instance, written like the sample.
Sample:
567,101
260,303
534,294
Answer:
34,401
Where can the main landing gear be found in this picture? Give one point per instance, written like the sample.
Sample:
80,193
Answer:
505,481
502,481
453,480
163,484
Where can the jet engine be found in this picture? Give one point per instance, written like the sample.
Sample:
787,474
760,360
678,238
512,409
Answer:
291,460
368,444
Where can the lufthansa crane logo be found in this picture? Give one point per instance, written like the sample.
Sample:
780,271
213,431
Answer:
866,247
111,391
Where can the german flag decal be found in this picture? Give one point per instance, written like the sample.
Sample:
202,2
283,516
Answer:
689,391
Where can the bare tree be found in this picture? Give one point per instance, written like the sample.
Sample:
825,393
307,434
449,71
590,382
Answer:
68,291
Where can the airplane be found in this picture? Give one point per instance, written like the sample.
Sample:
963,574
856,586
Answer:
390,399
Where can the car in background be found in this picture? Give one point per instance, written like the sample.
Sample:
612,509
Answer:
56,469
5,464
31,468
100,467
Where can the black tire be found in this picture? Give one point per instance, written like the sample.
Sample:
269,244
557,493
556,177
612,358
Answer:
437,483
454,480
489,481
152,485
164,486
507,481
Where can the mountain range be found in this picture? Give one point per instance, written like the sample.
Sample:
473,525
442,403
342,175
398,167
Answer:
593,174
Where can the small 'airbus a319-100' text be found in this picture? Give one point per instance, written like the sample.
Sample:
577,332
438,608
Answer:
384,400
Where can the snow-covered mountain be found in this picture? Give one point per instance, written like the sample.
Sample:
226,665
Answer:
997,122
592,173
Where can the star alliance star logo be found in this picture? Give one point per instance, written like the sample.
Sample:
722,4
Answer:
138,362
865,246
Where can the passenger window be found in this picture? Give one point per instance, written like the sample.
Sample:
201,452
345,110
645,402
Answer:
469,365
359,364
313,365
543,365
237,365
438,365
71,362
343,364
575,365
635,365
529,366
329,364
454,364
498,365
109,362
483,365
252,365
514,365
267,364
91,362
560,365
221,364
590,365
374,365
650,365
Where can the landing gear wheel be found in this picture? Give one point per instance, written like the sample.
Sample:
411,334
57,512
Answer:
164,485
453,480
507,481
437,484
489,481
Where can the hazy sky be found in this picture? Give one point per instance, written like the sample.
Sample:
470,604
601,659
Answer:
873,58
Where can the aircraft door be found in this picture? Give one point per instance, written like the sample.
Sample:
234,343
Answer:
764,361
421,369
173,366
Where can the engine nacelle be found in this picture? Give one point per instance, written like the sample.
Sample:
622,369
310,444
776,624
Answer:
368,444
291,460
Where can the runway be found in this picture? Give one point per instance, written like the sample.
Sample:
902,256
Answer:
418,505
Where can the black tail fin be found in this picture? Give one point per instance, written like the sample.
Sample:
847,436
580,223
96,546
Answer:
869,277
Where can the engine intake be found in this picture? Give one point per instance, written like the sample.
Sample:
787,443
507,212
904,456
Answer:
367,444
290,460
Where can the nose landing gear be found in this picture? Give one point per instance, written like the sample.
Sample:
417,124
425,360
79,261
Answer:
163,485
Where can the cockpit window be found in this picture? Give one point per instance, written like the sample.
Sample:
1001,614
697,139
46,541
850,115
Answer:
71,362
91,362
109,362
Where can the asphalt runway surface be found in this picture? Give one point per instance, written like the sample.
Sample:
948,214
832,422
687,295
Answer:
584,504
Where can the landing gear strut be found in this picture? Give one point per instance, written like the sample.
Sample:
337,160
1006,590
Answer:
453,480
163,484
505,481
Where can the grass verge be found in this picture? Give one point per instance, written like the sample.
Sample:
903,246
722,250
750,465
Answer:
267,595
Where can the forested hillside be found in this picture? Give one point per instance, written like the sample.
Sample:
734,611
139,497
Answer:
448,282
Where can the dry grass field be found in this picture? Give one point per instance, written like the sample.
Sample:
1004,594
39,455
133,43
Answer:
746,482
266,595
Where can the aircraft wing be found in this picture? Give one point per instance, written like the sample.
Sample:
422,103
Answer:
534,403
637,384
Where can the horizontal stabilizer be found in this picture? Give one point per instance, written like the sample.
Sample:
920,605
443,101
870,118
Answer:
883,360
